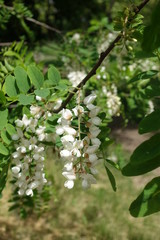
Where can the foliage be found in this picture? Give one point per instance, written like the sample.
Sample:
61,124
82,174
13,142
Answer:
127,85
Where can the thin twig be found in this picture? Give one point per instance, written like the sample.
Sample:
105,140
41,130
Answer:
43,25
35,21
103,55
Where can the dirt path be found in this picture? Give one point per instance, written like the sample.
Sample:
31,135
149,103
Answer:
129,138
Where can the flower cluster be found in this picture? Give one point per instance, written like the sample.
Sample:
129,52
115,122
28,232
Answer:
80,154
75,77
29,155
105,44
113,101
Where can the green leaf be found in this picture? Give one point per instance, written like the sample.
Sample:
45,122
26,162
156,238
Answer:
131,169
5,137
62,87
2,97
148,202
35,76
25,99
152,90
54,75
143,75
111,178
150,123
151,33
10,86
26,111
3,150
12,54
3,118
22,79
50,129
3,174
43,93
113,164
10,129
147,150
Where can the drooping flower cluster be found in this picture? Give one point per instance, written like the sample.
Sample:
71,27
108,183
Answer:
75,77
113,100
29,155
80,154
76,38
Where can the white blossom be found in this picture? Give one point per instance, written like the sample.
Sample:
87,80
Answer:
76,77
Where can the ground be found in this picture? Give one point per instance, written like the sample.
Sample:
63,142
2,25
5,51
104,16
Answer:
96,214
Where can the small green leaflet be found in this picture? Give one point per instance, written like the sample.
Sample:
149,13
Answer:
25,99
43,93
10,86
54,75
35,76
2,97
148,202
5,137
3,118
3,150
150,123
143,75
10,129
22,79
111,178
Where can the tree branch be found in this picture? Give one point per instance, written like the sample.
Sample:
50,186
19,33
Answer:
103,55
44,25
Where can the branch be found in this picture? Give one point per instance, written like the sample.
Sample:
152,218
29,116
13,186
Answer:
43,25
34,21
103,55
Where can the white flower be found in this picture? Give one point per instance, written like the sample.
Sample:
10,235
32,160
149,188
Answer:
68,166
38,98
26,121
69,184
59,130
78,110
89,99
94,131
70,175
36,156
29,192
35,110
66,114
15,137
95,141
21,149
92,149
76,38
15,170
88,179
65,153
76,77
57,104
19,123
70,130
16,154
40,130
21,191
67,138
95,120
94,112
93,157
